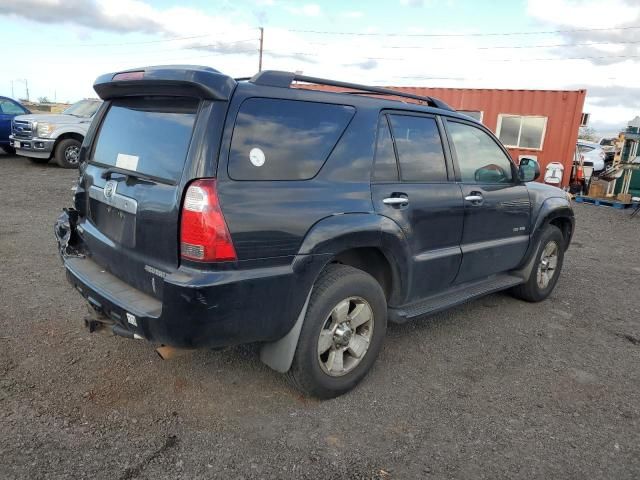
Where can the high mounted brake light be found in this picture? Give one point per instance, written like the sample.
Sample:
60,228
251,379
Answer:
204,235
128,76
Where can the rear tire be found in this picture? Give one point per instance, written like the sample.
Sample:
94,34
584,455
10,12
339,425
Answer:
40,161
342,334
546,268
67,153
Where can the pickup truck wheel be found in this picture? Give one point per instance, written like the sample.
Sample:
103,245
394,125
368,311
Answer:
9,150
546,269
67,153
343,330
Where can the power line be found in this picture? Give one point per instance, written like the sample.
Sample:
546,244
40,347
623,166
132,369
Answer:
508,47
185,47
491,47
477,34
126,44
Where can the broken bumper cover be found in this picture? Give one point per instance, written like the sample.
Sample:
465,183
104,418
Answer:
198,308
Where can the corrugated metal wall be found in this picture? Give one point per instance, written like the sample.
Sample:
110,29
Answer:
563,109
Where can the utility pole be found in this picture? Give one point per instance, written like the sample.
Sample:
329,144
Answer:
261,42
12,94
26,85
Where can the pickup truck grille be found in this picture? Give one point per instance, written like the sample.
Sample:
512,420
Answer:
21,129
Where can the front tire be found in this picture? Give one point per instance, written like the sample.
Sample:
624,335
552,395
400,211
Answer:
546,268
67,153
9,150
342,334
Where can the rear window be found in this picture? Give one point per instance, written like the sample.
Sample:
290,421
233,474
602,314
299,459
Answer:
276,139
147,135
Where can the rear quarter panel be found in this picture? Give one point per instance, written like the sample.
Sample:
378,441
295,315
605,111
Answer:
271,218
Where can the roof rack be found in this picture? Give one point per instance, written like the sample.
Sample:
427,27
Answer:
275,78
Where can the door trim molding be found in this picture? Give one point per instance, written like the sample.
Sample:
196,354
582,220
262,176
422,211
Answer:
497,242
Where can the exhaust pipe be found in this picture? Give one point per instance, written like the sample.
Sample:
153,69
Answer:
166,352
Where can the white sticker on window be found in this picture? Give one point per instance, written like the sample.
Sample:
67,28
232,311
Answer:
257,157
128,162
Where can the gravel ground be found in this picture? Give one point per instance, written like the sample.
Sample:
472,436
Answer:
497,388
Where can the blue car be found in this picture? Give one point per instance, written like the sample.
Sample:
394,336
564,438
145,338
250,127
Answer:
8,109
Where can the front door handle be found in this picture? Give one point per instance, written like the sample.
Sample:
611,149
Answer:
475,197
396,201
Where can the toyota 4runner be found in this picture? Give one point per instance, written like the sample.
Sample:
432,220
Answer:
213,212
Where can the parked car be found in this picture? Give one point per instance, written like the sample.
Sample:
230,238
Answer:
609,147
8,110
44,136
592,152
212,212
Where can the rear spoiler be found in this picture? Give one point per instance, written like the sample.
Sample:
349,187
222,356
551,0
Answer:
180,80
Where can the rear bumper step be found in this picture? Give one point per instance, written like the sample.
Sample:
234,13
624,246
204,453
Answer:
199,310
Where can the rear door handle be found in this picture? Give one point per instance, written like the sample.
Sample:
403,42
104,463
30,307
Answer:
396,201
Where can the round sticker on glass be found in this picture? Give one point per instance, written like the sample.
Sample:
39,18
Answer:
256,156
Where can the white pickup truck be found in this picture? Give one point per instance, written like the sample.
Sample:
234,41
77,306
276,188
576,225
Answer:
44,136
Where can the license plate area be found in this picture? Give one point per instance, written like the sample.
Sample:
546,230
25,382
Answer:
116,224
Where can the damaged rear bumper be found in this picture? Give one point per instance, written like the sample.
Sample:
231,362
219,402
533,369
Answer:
198,308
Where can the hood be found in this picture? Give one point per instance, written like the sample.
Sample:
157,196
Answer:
56,118
544,190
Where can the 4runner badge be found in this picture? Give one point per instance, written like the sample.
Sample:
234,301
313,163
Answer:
110,189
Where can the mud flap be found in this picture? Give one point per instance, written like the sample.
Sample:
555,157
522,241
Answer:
65,230
278,355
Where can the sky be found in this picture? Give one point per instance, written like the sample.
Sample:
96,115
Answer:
60,46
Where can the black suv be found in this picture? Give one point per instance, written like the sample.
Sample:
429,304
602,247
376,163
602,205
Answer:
213,211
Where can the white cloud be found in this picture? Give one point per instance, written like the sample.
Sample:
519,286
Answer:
582,13
352,14
309,10
223,41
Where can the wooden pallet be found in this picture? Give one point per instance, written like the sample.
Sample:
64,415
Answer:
602,202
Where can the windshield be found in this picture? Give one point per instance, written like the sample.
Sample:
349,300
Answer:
83,108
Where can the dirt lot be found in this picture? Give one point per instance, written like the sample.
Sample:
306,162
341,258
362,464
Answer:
497,388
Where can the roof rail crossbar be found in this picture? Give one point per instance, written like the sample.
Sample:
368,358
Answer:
284,79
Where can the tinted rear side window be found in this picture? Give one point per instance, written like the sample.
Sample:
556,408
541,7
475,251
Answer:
277,139
147,135
386,168
419,149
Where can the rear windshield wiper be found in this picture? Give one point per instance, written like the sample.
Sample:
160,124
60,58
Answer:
141,177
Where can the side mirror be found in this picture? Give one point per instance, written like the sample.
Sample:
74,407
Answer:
528,170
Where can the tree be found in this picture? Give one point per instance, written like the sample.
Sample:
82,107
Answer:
43,100
588,134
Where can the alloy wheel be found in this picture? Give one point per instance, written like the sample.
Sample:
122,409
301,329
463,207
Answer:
345,336
547,265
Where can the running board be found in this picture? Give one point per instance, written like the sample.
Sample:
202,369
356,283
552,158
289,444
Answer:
452,297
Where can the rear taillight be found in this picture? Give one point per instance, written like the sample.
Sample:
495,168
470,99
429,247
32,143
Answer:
204,235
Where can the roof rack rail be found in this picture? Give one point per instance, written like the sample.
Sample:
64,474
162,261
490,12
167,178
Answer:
275,78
